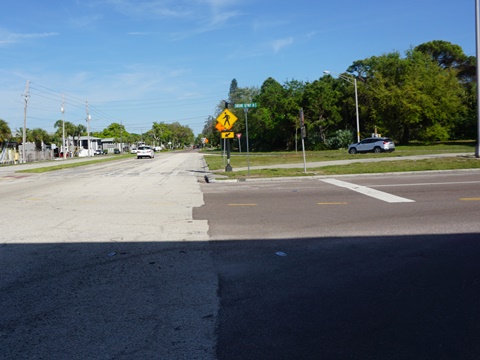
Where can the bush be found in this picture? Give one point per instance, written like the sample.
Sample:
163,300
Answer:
340,140
436,132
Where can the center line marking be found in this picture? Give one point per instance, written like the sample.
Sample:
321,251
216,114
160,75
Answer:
332,203
242,204
380,195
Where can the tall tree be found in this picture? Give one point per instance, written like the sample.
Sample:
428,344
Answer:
322,112
451,56
40,137
444,53
114,130
5,132
232,98
161,132
412,97
210,132
272,128
78,131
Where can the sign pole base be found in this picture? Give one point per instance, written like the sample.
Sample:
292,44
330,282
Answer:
229,167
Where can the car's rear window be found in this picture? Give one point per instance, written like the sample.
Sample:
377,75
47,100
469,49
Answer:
144,148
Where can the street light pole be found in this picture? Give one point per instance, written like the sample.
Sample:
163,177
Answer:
88,130
248,151
24,132
356,108
351,80
477,26
62,109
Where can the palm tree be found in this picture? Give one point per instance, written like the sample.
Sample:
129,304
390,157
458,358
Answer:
40,137
5,132
78,131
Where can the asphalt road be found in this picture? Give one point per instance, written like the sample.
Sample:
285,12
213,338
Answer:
384,269
106,262
138,260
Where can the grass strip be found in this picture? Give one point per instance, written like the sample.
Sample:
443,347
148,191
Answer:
362,168
73,164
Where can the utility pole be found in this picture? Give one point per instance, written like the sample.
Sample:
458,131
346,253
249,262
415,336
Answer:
121,137
477,33
62,109
245,110
88,130
24,137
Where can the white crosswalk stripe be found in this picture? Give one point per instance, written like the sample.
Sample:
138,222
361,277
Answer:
380,195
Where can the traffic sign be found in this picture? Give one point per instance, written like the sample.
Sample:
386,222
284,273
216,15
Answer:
251,105
228,134
227,119
219,127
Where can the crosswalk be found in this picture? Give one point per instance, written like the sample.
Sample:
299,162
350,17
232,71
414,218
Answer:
380,195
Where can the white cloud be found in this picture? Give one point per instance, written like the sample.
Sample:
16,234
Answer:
202,15
139,33
11,38
84,21
264,24
152,8
279,44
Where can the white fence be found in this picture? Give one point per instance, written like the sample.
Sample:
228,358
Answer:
11,156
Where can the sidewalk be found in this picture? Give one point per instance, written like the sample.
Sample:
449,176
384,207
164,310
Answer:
349,161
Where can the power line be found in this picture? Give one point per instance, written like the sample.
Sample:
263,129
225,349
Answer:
102,111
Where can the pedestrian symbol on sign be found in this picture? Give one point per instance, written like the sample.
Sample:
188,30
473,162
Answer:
226,121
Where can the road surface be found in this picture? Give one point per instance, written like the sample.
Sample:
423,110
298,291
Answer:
137,259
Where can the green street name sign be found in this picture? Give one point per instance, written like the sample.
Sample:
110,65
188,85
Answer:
251,105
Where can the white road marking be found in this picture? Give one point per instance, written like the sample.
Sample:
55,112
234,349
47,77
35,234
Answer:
431,183
380,195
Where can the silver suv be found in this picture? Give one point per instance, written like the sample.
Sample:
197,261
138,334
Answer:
372,144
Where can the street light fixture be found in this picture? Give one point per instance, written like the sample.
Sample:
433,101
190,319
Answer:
351,80
62,109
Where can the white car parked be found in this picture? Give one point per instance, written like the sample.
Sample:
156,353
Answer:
145,151
372,144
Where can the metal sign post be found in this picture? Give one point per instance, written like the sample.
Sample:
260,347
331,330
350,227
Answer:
226,120
245,110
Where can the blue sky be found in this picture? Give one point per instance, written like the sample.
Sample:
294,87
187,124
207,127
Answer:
140,61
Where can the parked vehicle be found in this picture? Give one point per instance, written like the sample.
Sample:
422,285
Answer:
372,144
116,151
98,152
145,151
133,151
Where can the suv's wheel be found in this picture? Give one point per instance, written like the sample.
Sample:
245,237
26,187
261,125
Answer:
377,150
352,151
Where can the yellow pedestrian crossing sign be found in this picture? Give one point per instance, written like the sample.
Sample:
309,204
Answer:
227,119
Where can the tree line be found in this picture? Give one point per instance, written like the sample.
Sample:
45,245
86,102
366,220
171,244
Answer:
426,95
174,134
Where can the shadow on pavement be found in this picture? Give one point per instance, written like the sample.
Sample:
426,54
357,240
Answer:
398,297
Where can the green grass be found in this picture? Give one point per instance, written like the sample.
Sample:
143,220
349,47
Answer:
74,164
217,163
215,160
363,168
